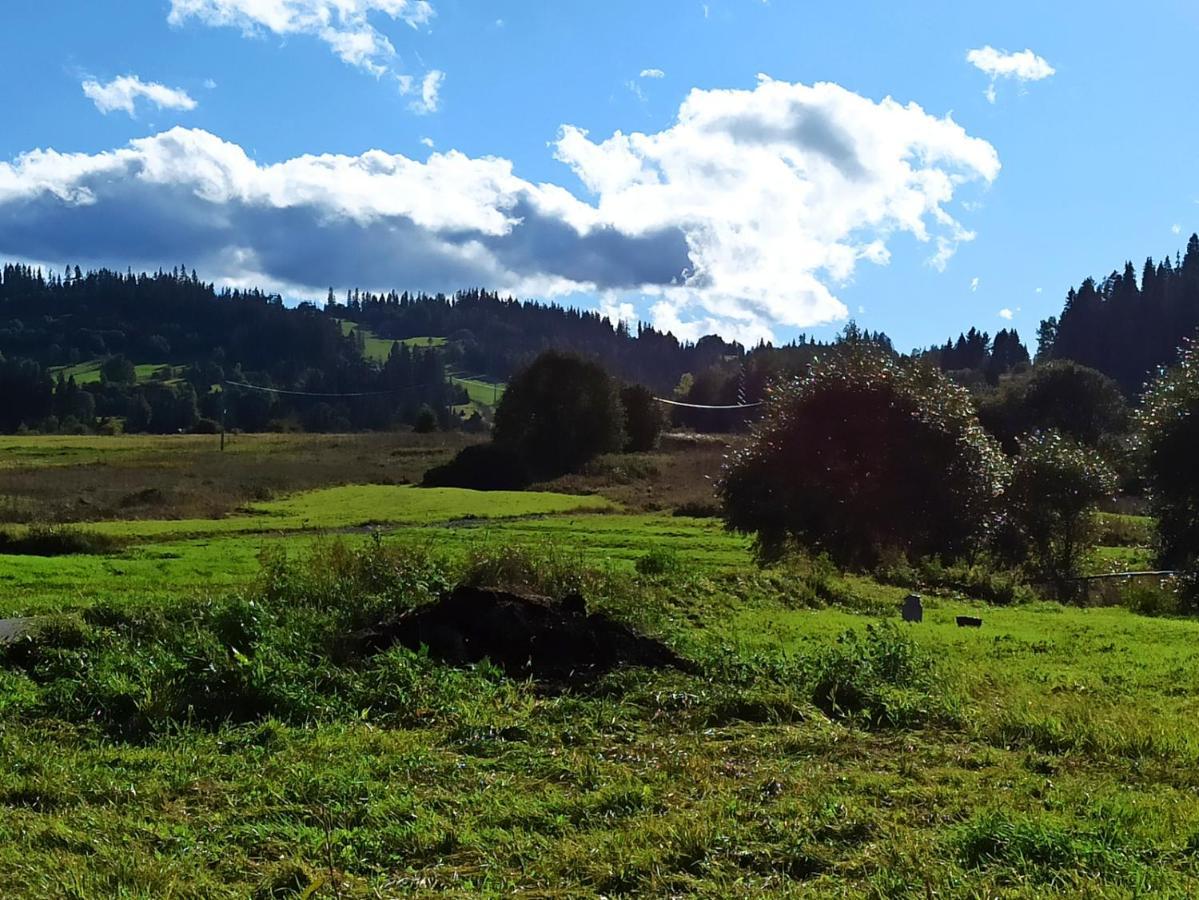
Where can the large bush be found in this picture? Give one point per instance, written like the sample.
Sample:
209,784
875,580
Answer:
559,413
1168,436
642,418
1080,402
1051,504
865,456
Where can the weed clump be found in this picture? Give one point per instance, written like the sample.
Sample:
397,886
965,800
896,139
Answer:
1043,849
56,540
320,638
698,509
659,563
881,677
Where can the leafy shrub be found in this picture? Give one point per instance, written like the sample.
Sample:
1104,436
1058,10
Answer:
481,467
57,540
1156,598
978,580
659,563
1060,396
1123,531
883,677
697,509
864,455
1168,437
1050,510
538,569
643,418
559,413
297,648
426,420
45,638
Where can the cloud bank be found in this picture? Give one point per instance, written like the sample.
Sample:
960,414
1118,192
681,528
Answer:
123,93
744,215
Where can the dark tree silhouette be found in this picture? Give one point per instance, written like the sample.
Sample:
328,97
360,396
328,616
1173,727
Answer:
560,412
864,455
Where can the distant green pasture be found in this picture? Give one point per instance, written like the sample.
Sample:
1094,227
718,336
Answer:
89,372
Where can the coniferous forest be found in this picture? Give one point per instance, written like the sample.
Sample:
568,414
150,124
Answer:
197,340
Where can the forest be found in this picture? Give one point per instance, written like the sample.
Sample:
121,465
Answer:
104,351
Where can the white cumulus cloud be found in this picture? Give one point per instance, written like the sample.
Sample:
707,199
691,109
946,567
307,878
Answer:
652,73
122,94
1006,314
748,213
1023,66
781,191
344,25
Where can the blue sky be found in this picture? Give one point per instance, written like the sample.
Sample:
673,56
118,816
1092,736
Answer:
772,207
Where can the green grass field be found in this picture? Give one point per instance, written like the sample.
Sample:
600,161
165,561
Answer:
484,394
89,372
377,349
184,730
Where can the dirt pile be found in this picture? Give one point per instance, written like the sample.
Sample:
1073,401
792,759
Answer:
528,635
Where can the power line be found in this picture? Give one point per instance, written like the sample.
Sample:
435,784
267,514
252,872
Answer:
705,406
287,393
268,390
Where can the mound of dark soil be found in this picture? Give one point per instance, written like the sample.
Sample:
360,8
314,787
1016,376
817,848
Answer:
529,635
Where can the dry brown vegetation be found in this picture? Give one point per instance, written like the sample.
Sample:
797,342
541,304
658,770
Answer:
187,476
679,474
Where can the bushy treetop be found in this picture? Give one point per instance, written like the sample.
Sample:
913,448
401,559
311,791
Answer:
862,454
1168,438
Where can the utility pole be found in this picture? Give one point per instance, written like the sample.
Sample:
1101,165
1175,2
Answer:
222,418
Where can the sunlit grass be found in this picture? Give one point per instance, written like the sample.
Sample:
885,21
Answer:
1053,750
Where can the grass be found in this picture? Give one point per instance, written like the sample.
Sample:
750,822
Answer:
89,478
377,349
1006,760
89,372
484,394
194,721
424,342
359,506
